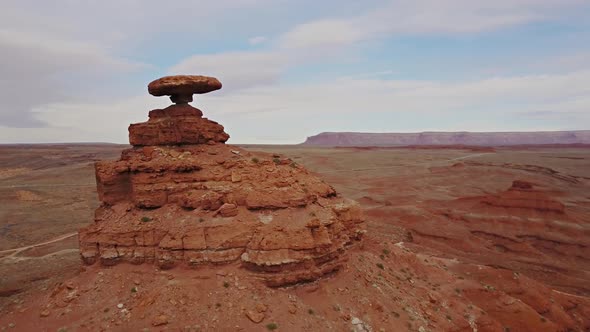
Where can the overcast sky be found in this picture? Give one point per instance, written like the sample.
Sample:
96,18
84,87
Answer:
77,70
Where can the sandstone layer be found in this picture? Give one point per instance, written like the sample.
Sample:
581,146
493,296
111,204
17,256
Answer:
181,197
176,124
450,138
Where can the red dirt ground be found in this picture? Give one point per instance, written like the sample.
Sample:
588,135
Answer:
450,247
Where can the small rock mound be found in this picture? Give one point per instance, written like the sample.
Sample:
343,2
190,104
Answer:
521,185
181,197
523,195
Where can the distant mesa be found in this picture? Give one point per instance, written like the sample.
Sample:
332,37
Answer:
449,138
182,197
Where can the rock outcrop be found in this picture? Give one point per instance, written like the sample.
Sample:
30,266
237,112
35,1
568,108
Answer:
181,197
523,195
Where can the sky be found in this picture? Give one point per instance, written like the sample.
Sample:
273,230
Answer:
77,70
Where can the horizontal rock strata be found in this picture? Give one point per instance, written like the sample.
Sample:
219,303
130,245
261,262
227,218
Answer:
206,204
181,197
174,125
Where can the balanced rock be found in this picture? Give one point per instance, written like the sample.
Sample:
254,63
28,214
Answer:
181,197
181,88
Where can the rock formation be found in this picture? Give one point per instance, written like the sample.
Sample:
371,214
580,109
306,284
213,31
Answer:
181,197
523,195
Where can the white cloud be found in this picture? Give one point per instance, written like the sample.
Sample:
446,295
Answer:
422,17
289,113
236,69
324,33
54,53
32,63
257,40
43,44
373,96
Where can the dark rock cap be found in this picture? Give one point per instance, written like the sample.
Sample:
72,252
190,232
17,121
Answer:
181,88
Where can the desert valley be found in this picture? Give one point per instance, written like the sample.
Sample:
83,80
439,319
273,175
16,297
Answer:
457,239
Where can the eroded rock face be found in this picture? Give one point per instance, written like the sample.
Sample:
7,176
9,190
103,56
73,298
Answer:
174,125
180,197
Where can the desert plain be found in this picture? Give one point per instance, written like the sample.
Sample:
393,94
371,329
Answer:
458,239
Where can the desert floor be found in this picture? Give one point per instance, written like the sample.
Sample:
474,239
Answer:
437,255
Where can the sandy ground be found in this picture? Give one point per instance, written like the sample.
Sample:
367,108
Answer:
433,259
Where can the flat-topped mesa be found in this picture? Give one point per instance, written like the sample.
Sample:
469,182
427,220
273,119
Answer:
180,123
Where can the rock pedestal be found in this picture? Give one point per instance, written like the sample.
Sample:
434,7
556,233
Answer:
181,197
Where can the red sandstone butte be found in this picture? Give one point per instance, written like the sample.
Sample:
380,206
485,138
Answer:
181,197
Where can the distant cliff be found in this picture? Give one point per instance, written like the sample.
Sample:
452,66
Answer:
450,138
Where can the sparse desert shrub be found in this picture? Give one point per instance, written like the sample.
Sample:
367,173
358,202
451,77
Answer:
201,219
489,288
276,161
386,251
272,326
226,284
134,290
310,311
255,160
379,265
146,219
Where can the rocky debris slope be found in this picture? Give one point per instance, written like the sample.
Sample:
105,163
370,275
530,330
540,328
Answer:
181,197
386,287
534,227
